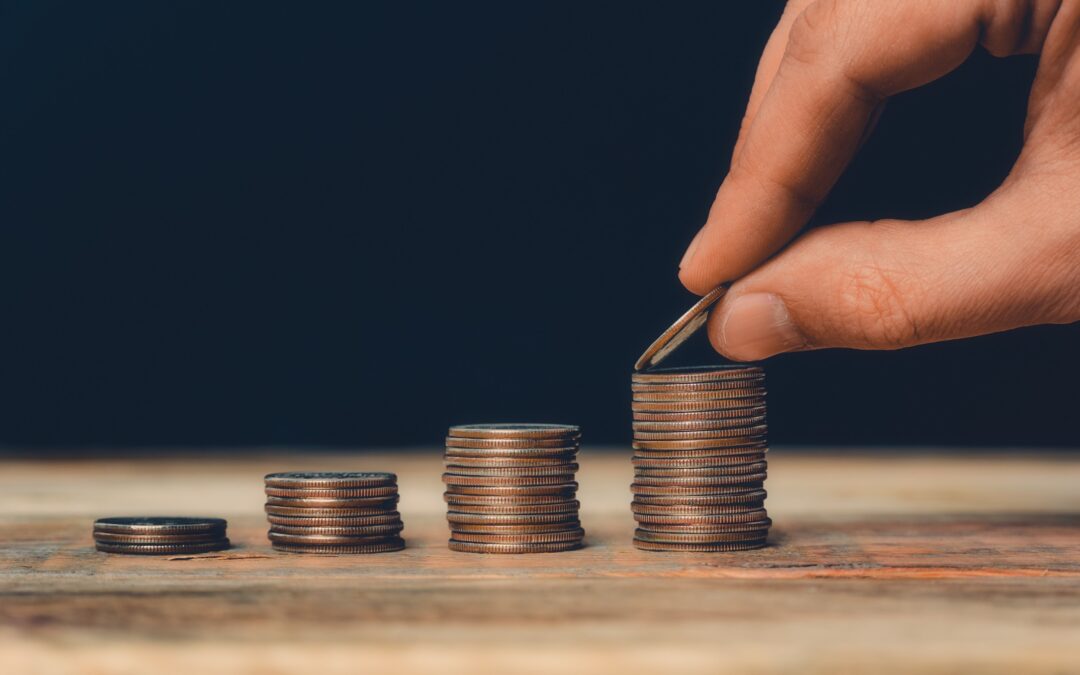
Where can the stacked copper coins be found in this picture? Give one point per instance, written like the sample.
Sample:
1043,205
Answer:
510,488
160,535
699,459
319,512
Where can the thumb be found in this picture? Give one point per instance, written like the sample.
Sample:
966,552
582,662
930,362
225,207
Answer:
893,284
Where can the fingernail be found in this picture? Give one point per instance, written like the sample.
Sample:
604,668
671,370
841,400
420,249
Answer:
690,250
758,325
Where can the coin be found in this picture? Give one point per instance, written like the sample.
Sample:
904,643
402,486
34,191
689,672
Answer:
639,488
162,549
688,516
380,518
701,472
700,444
722,452
698,425
691,405
759,526
319,512
515,430
552,547
672,547
325,539
693,374
504,443
454,479
333,503
565,490
700,415
696,462
685,326
697,538
331,479
159,525
513,530
488,462
510,499
456,517
749,382
735,495
567,469
331,493
541,538
385,546
738,432
164,539
719,395
340,531
511,509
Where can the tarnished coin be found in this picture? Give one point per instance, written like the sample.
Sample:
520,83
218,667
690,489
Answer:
385,546
692,388
685,326
696,538
760,527
565,490
690,515
693,374
159,525
488,462
332,493
732,495
641,489
507,443
508,480
701,472
324,539
736,412
551,547
698,425
516,453
693,405
380,518
195,538
671,547
541,538
696,462
162,549
567,469
333,503
515,430
513,530
700,444
331,479
338,531
731,451
510,518
738,432
319,512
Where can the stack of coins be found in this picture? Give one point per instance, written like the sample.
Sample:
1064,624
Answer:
318,512
160,535
699,459
510,488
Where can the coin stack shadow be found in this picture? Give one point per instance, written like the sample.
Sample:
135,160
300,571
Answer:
699,459
160,535
323,512
510,488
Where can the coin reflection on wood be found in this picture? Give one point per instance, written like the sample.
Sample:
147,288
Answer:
160,535
323,512
699,459
511,488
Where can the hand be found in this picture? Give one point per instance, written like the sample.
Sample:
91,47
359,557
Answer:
1013,260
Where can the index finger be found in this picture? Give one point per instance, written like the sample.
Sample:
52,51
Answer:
842,59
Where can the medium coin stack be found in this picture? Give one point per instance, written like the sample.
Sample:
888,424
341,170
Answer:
699,459
510,488
320,512
160,535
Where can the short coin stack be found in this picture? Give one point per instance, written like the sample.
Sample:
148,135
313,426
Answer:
320,512
699,459
160,535
510,488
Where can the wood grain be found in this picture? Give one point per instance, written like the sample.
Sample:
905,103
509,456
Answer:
884,563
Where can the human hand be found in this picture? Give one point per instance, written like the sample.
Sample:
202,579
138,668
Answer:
1012,260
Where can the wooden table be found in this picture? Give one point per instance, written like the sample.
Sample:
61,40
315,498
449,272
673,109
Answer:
880,563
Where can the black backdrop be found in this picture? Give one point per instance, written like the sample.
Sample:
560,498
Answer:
306,223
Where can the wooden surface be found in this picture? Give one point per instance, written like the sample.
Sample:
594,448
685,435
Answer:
880,563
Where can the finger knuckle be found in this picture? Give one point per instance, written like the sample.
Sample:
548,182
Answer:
875,306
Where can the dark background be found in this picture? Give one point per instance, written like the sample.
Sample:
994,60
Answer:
265,223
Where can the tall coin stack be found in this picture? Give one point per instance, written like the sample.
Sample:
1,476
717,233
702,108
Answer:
510,488
319,512
699,459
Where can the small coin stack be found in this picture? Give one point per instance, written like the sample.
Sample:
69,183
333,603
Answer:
160,535
699,459
510,488
320,512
